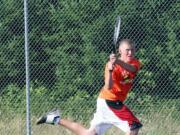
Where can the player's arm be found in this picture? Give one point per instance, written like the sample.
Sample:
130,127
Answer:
108,76
129,67
108,72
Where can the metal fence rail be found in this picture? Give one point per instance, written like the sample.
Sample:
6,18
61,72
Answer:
69,45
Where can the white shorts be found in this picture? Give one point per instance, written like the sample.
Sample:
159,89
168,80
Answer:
105,117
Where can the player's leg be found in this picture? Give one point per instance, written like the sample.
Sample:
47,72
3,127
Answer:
76,127
53,117
99,125
122,117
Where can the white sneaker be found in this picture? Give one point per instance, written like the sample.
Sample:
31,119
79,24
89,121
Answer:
52,117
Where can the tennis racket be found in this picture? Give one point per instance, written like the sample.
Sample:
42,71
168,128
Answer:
116,33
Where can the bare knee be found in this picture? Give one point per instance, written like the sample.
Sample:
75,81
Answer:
133,132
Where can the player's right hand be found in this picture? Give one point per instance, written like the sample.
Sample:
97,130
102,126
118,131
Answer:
112,59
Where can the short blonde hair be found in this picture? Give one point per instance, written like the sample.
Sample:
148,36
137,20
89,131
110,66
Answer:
128,41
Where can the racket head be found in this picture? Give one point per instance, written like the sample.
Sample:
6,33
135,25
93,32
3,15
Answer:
116,31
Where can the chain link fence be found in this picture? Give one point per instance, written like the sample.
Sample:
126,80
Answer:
69,44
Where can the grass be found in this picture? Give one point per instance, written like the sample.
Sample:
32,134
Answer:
155,123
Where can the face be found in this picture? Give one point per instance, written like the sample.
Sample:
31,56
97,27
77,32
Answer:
126,51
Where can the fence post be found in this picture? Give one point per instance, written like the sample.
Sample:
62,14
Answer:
28,122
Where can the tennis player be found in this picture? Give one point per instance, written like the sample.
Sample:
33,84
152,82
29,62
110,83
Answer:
111,111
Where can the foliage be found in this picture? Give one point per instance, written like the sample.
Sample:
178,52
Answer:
69,45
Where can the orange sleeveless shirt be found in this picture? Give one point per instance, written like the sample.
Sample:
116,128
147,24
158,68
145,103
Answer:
122,82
